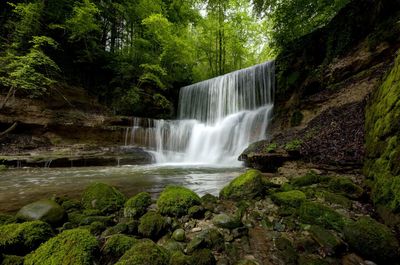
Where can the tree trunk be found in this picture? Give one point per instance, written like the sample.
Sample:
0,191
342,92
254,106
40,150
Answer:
10,92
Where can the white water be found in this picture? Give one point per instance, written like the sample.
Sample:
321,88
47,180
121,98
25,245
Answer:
218,119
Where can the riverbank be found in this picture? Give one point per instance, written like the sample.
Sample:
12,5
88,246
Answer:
282,218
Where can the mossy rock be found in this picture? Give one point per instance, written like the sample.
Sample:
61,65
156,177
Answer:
286,251
7,219
372,240
179,235
203,257
178,258
12,260
23,238
318,214
312,260
333,198
226,221
116,229
196,212
100,196
308,179
209,238
71,205
247,186
45,210
176,200
145,252
137,205
289,198
345,187
152,225
71,247
327,240
116,246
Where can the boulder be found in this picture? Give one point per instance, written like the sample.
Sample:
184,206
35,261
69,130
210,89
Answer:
179,235
116,246
247,186
44,210
75,246
152,225
100,196
292,198
145,252
372,240
23,238
176,201
318,214
137,205
225,221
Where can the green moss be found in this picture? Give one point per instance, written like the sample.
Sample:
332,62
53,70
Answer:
383,142
45,210
271,148
116,246
308,179
116,229
137,205
312,260
345,187
203,257
247,186
290,198
333,198
293,145
71,247
327,240
286,251
296,118
7,219
23,238
12,260
316,213
152,225
145,252
178,258
100,196
176,201
3,167
372,240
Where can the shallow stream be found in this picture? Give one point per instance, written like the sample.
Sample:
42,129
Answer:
22,186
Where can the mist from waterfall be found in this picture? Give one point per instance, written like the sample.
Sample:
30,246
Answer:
218,119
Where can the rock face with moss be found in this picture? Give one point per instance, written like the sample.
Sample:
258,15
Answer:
383,141
145,252
176,201
71,247
247,186
45,210
137,205
152,225
23,238
100,196
373,240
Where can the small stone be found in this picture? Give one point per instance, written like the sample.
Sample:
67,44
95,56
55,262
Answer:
179,235
44,210
196,229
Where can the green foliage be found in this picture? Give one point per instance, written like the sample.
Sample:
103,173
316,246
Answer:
100,196
23,238
83,21
248,185
271,147
76,246
137,205
176,200
145,252
293,145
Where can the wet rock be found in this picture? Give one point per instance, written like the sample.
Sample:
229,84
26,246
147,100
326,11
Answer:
116,246
145,252
372,240
179,235
196,212
100,196
176,201
76,246
152,225
318,214
23,238
44,210
210,238
225,221
137,205
247,186
116,229
289,198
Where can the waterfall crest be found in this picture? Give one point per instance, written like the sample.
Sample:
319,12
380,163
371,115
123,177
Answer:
218,119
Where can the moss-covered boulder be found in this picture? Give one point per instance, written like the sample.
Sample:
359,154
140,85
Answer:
327,240
318,214
116,229
23,238
247,186
291,198
285,251
372,240
178,258
137,205
71,247
100,196
209,238
12,260
203,257
7,219
152,225
176,200
116,246
45,210
179,235
145,252
345,187
308,179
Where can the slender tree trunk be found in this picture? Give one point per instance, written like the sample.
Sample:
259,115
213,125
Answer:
9,94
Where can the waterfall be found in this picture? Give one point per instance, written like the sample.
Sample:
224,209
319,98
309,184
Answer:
218,119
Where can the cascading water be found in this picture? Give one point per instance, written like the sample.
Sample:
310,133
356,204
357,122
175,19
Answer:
218,119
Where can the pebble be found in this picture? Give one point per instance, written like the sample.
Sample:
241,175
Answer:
196,229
